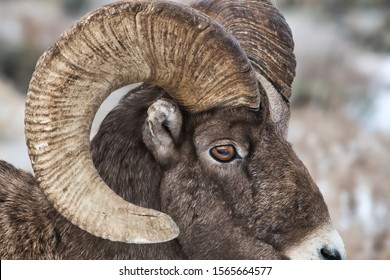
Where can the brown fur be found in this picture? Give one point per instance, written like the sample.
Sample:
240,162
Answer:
251,208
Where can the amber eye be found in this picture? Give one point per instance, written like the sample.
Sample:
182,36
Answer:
224,153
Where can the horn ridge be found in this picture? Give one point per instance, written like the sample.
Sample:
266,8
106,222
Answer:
119,44
263,34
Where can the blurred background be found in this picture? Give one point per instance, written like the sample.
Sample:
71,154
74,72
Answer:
340,124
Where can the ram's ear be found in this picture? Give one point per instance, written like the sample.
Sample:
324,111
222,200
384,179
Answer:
161,131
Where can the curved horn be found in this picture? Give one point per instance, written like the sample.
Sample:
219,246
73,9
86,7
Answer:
171,46
267,40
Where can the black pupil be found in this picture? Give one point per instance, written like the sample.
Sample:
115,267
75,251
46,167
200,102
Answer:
223,151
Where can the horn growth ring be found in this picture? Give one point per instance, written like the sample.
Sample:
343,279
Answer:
172,46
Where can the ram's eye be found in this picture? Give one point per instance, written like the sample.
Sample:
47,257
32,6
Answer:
224,153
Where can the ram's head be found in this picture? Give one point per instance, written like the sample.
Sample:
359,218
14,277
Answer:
230,181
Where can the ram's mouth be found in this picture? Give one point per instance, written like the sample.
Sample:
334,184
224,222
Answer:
323,243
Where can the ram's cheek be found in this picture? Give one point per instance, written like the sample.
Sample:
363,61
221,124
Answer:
94,200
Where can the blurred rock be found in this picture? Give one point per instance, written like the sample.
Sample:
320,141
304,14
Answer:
365,22
12,143
26,30
351,167
333,73
11,111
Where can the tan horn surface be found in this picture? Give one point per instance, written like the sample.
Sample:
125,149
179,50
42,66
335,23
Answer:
263,34
169,45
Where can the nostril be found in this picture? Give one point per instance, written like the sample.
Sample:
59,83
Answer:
328,254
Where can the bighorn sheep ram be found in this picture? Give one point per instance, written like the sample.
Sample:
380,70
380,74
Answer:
205,144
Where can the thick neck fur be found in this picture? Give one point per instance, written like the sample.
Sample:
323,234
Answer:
120,155
128,168
242,198
31,228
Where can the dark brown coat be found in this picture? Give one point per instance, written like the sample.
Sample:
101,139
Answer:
253,207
